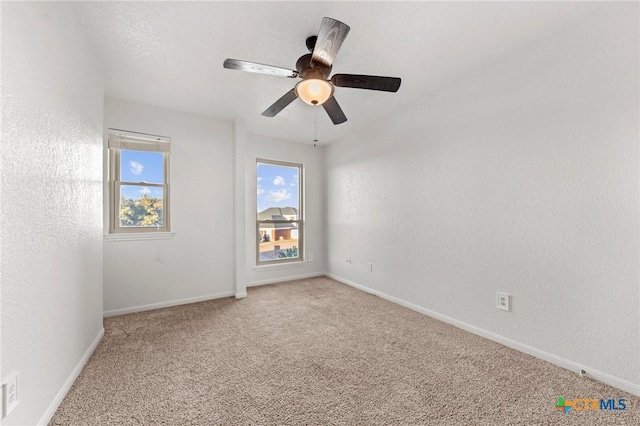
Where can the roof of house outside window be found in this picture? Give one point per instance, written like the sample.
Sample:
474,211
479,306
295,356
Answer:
277,213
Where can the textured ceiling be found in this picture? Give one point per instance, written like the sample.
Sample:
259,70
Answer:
170,54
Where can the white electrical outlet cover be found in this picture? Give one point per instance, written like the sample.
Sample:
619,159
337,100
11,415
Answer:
10,394
503,301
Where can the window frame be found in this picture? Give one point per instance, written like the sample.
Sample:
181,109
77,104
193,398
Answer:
127,140
299,221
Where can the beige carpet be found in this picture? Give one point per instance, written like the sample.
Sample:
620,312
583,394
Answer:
317,352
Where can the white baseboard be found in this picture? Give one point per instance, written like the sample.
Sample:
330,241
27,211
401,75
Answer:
46,418
167,304
241,295
600,376
283,279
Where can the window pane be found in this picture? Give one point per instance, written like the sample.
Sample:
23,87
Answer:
278,191
278,187
278,241
141,166
141,205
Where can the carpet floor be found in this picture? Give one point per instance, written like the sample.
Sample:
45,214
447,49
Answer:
317,352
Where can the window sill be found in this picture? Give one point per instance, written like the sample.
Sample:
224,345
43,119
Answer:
140,236
288,265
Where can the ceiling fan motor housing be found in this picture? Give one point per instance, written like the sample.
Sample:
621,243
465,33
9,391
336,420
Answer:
311,43
303,65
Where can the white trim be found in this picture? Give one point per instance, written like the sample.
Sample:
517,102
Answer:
46,417
167,304
608,379
239,206
140,236
283,265
241,295
284,279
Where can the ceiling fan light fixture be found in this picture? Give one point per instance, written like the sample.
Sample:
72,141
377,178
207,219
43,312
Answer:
314,91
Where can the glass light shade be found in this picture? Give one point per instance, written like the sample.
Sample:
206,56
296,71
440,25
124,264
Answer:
313,91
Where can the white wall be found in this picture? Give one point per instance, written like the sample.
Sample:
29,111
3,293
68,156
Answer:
312,159
521,177
51,222
197,263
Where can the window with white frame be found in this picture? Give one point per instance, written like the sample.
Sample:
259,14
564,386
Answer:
138,182
279,223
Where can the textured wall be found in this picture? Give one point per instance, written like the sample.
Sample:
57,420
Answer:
523,178
311,158
198,260
51,201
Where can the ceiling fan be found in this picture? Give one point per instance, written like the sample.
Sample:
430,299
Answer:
314,68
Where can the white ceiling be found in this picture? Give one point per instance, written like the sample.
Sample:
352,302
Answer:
170,54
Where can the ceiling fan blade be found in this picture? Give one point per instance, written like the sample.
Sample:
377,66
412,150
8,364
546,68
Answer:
371,82
330,37
280,104
333,109
236,64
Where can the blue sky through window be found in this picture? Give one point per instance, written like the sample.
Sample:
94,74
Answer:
141,166
138,166
277,186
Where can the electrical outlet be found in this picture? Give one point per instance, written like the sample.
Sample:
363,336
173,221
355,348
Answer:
370,267
310,257
10,394
503,301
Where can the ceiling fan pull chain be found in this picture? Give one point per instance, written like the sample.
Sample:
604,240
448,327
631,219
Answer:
315,131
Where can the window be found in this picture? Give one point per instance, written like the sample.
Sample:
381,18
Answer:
138,182
279,216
